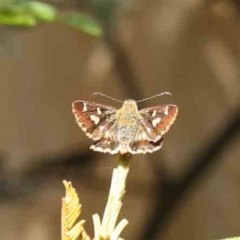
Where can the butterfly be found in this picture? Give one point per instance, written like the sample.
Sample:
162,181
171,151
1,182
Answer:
124,130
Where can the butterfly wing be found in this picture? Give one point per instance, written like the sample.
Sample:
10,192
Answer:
156,121
93,118
108,143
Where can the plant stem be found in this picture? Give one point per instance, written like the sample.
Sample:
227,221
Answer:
108,229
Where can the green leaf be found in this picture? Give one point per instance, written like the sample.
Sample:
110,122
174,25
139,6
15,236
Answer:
26,13
17,20
41,11
82,22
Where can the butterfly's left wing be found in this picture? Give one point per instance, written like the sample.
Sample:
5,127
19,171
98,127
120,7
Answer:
156,121
93,118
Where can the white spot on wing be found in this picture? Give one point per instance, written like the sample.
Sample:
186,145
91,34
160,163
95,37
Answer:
84,107
99,112
156,121
149,130
107,134
95,119
154,113
166,111
144,135
101,128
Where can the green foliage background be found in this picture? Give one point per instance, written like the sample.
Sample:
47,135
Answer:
31,13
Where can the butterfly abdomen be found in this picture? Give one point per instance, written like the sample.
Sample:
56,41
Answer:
126,134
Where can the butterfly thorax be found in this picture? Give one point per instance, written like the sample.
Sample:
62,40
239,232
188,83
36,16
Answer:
127,119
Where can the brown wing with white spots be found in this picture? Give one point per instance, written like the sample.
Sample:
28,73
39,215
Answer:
108,143
156,121
93,118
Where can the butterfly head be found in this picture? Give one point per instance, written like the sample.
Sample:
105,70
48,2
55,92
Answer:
129,105
129,102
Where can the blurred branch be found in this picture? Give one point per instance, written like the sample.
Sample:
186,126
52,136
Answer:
236,4
107,13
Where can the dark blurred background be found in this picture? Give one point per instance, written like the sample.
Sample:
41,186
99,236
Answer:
190,189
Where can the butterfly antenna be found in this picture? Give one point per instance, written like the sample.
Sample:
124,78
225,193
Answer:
157,95
104,95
